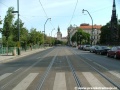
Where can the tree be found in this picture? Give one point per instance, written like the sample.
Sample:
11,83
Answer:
8,21
23,31
105,32
35,37
0,21
81,37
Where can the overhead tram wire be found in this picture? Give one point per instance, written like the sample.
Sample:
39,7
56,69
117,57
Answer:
26,19
45,12
43,9
73,13
4,4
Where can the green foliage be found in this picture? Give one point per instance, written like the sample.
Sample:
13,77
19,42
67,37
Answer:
10,33
81,37
8,21
0,21
104,33
35,37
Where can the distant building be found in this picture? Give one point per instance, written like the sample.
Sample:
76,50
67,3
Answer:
96,31
71,31
59,36
86,28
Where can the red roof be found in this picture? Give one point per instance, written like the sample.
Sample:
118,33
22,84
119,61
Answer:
90,26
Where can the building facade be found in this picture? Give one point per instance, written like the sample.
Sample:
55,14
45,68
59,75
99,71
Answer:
94,34
71,31
59,34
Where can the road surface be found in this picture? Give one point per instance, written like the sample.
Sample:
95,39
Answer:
61,68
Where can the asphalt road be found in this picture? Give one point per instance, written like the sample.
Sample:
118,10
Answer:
61,68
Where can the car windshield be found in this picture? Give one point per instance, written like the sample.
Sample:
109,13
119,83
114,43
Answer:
118,48
105,47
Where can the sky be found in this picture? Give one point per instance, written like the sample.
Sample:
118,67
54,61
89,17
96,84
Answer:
63,13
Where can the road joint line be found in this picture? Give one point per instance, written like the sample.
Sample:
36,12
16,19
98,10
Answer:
101,66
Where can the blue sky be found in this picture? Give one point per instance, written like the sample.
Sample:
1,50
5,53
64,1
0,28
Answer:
60,12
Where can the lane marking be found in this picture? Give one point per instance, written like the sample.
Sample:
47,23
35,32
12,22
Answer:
12,80
112,72
93,81
100,66
17,69
4,76
60,82
39,58
115,74
89,59
23,85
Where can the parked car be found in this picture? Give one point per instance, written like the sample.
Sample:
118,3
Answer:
114,52
86,47
102,50
80,47
92,49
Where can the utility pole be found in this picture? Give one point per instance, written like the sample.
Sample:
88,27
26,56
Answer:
44,29
92,24
18,43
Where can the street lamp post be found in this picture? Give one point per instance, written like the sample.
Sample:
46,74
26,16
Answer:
51,35
44,28
92,24
18,27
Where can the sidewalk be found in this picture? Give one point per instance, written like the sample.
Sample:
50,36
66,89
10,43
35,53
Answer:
5,58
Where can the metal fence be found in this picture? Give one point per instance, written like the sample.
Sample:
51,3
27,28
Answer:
4,50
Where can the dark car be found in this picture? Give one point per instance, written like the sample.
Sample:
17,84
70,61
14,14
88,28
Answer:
114,52
92,49
80,47
103,50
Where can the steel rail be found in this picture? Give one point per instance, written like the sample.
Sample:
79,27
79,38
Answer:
19,75
42,80
103,75
74,74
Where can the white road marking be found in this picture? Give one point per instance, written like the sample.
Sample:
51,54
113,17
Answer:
39,58
60,82
100,66
23,85
4,76
115,73
93,81
88,59
17,70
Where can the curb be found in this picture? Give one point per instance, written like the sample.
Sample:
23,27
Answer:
22,55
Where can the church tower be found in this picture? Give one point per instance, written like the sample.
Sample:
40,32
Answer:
59,34
114,26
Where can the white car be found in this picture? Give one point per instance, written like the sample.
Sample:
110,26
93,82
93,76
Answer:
86,47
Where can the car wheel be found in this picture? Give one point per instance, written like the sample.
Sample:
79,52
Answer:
115,56
108,55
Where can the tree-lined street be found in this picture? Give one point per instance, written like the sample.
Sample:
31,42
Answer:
60,68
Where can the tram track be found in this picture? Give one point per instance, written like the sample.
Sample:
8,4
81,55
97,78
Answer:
99,72
76,78
23,72
44,76
74,73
